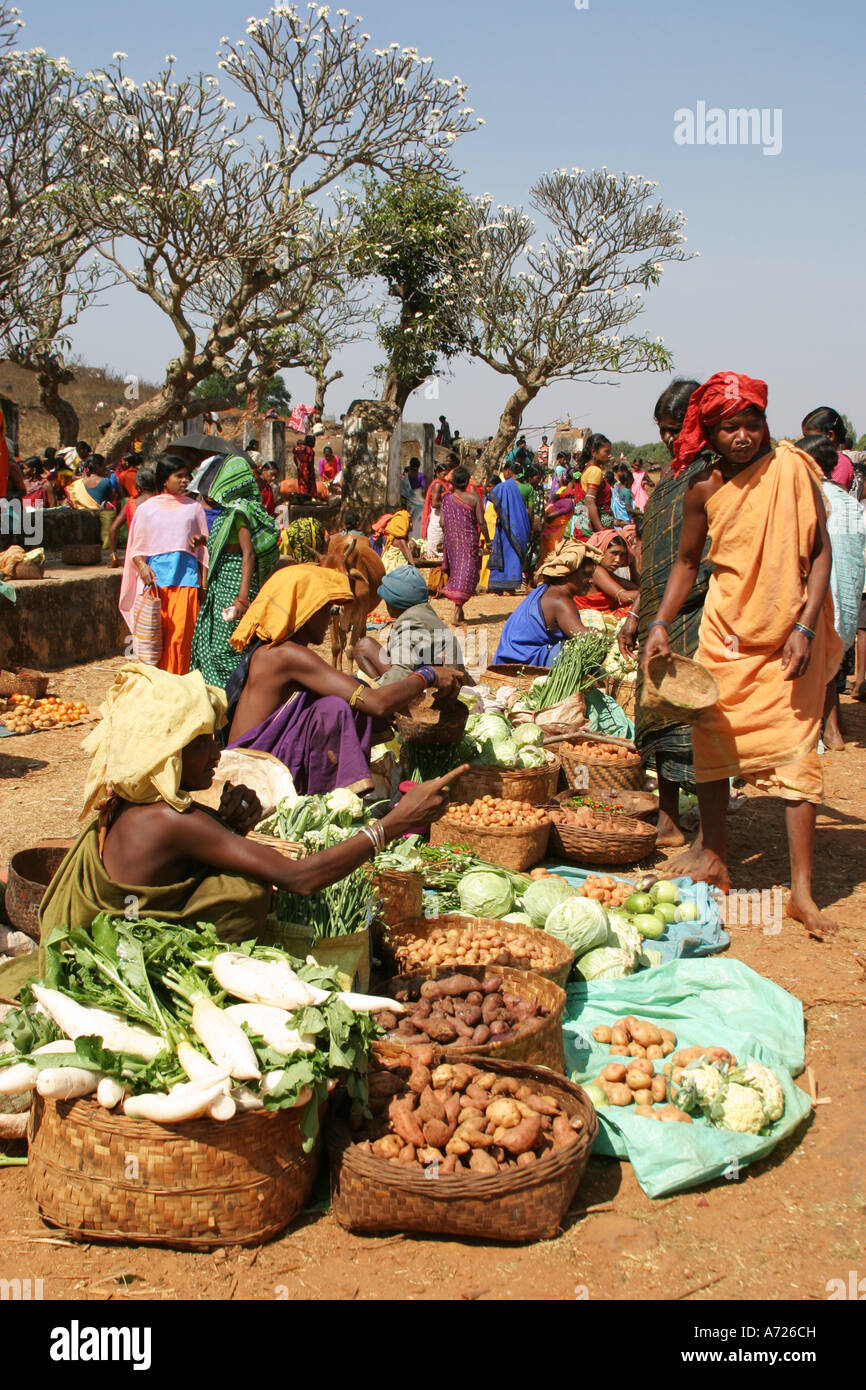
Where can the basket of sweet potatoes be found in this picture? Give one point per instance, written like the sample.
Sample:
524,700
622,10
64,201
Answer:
474,1147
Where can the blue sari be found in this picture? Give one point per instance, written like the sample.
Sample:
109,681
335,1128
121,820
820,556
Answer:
511,538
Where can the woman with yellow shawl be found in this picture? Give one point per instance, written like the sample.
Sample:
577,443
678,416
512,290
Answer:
285,700
767,630
396,551
151,852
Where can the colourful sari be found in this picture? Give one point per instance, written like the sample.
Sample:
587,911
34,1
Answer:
592,476
461,552
304,540
511,541
554,528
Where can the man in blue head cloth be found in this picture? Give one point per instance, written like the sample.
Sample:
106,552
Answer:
418,636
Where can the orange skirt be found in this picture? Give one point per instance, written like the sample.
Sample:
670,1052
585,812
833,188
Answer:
178,610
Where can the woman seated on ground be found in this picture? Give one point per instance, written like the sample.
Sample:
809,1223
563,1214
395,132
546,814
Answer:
38,491
536,630
285,700
418,636
151,852
611,591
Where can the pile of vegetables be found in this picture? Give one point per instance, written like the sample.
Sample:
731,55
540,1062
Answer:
23,713
636,1037
456,1120
475,944
457,1009
492,740
577,667
651,912
494,813
316,821
747,1099
610,892
164,1021
587,817
595,748
341,909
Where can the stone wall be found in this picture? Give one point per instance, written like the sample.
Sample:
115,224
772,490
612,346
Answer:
371,459
67,618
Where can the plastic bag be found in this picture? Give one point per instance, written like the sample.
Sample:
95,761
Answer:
566,717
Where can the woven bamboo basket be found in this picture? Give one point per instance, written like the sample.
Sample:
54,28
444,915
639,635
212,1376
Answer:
634,842
432,720
512,673
99,1176
28,569
289,849
675,687
533,784
33,683
511,848
420,928
641,805
400,894
30,872
523,1204
540,1043
601,774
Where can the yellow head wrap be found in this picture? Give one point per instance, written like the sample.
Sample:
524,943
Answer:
288,600
148,719
566,559
399,526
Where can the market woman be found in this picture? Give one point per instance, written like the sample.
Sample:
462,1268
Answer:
150,852
536,630
593,494
243,548
285,700
610,591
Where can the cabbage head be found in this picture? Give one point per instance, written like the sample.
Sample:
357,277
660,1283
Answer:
604,963
522,917
530,756
502,753
493,737
580,922
543,895
623,933
529,734
485,893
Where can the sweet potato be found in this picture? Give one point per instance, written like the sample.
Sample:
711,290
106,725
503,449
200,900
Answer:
478,1095
430,1105
463,1030
471,1115
505,1111
447,1166
432,989
562,1132
407,1154
492,985
364,1147
404,1122
526,1159
614,1071
437,1133
429,1154
601,1033
490,1008
523,1136
471,1016
440,1029
457,1146
419,1078
452,1108
443,1075
486,1080
544,1105
482,1162
423,1053
389,1146
453,985
474,1137
720,1054
475,997
481,1036
505,1085
384,1083
386,1019
499,1030
670,1113
618,1094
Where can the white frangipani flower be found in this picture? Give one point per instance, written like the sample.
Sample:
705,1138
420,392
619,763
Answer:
118,56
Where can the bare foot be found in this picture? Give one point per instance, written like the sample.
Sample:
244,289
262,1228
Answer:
806,910
707,867
670,836
682,864
833,740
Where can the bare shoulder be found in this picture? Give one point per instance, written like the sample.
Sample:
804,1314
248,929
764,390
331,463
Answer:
704,483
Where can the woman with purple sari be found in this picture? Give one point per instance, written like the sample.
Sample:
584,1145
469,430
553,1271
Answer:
285,700
462,519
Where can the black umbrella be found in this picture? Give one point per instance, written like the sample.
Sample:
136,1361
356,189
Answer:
205,444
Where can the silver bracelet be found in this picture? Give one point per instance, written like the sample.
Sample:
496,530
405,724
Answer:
379,832
365,830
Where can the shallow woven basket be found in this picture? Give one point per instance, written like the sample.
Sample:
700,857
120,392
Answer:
641,805
81,554
419,928
372,1194
634,842
30,872
428,721
401,893
533,784
33,683
675,687
289,849
597,775
509,847
100,1176
540,1044
512,673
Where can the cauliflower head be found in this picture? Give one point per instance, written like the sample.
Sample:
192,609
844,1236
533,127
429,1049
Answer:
699,1088
767,1083
740,1108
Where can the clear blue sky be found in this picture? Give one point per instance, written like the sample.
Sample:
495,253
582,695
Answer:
778,291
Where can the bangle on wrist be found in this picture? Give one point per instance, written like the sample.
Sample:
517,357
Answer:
631,614
365,830
427,673
356,695
806,631
659,622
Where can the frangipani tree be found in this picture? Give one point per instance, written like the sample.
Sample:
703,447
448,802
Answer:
560,309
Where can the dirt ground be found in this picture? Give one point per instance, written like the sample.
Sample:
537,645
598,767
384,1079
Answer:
781,1231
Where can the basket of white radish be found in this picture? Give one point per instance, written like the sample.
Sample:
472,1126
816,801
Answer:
179,1086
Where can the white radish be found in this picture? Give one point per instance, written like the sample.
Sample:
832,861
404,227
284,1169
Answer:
78,1022
184,1103
263,981
272,1080
272,1025
245,1099
195,1064
223,1108
369,1003
59,1045
109,1092
21,1076
67,1083
225,1040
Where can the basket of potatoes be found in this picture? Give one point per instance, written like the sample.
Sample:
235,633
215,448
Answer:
478,1147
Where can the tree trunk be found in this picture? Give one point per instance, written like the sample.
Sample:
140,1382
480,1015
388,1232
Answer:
509,424
53,403
160,409
397,392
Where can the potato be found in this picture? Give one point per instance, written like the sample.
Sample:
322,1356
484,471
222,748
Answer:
642,1064
636,1050
688,1054
655,1052
442,1076
456,1146
636,1080
670,1112
614,1071
668,1036
504,1112
429,1155
645,1033
667,1048
619,1036
481,1162
646,1111
659,1089
643,1097
471,1115
619,1094
602,1033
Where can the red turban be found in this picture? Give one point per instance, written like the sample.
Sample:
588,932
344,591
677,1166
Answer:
724,394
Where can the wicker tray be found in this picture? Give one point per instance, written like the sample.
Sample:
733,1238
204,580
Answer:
678,688
641,805
371,1194
634,842
33,683
601,774
191,1186
533,784
512,673
401,894
511,848
540,1044
421,927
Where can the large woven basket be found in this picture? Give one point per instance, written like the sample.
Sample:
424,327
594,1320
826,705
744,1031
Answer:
401,893
419,928
512,673
511,848
372,1194
100,1176
533,784
675,687
540,1044
596,775
432,720
29,874
634,842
